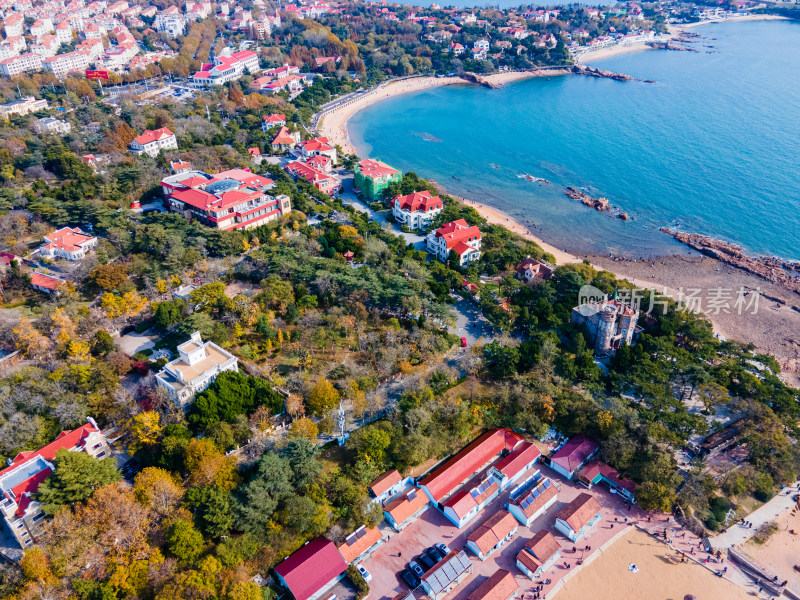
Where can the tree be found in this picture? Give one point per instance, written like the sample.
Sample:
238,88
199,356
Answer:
145,431
302,456
158,489
304,428
208,466
712,395
260,497
77,475
109,277
231,395
102,343
198,321
184,541
322,398
167,314
501,360
212,510
245,590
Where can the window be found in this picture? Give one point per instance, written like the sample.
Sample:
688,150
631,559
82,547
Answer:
102,454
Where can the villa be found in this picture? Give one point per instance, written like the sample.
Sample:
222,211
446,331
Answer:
457,237
610,323
67,243
318,146
578,517
323,181
274,120
197,366
285,140
417,210
371,177
531,269
153,141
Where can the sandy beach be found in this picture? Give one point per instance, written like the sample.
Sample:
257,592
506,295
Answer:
676,28
658,576
781,552
603,53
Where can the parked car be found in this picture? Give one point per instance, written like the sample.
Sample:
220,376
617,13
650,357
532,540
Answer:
411,580
426,561
415,568
364,573
443,548
463,342
434,554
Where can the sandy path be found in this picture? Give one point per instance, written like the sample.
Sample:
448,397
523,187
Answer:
659,577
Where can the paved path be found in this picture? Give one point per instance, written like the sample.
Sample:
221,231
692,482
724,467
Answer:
738,533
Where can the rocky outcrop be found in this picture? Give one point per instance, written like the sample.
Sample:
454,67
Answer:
592,72
773,269
473,78
668,45
600,204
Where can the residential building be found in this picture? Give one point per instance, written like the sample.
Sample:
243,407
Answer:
12,46
596,471
457,237
23,106
64,32
610,323
42,27
14,24
63,64
197,365
492,534
273,120
312,570
533,504
448,573
501,585
48,284
173,24
52,125
360,544
531,269
153,141
384,486
321,180
67,243
417,210
538,553
285,140
21,479
227,67
573,455
24,63
578,517
371,177
318,146
283,71
234,199
404,509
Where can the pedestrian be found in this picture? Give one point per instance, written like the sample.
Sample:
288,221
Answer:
399,554
574,549
615,519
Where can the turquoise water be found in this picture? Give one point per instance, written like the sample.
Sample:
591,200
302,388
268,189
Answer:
713,147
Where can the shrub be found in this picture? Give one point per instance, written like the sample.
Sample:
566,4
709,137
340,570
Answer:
362,588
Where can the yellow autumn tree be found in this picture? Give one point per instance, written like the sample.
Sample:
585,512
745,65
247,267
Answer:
78,351
208,466
158,489
63,330
29,340
304,428
145,431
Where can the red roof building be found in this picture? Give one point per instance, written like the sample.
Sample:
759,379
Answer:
363,541
318,146
449,475
384,485
456,236
153,141
501,585
46,283
417,210
21,479
596,471
498,529
321,180
67,243
577,517
573,455
312,569
404,509
274,120
530,269
538,553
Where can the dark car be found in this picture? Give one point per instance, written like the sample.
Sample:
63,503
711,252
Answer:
411,580
434,554
414,567
426,561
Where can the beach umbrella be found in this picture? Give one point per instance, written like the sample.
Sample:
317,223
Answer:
689,597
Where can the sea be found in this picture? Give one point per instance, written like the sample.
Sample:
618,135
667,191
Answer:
712,147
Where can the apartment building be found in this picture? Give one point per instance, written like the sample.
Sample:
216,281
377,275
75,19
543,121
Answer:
14,24
153,141
24,63
22,106
173,25
63,64
52,126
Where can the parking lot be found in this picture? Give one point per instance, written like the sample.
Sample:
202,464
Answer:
386,563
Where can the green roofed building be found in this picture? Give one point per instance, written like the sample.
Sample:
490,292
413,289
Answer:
372,176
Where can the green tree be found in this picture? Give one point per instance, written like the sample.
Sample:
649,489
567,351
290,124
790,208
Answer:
302,457
167,314
102,343
212,510
198,321
77,475
501,360
184,541
259,498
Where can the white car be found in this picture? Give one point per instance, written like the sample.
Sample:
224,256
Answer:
364,573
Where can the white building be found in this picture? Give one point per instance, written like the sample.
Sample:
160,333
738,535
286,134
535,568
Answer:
172,24
14,24
62,64
459,237
151,142
24,63
227,67
52,125
67,243
417,210
64,32
23,106
193,371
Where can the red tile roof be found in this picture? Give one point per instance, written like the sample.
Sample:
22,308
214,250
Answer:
283,138
373,169
275,118
595,468
68,239
524,454
536,267
46,281
458,231
352,551
401,508
318,144
152,135
534,500
580,511
381,484
419,201
542,546
446,477
311,567
575,452
500,586
493,529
